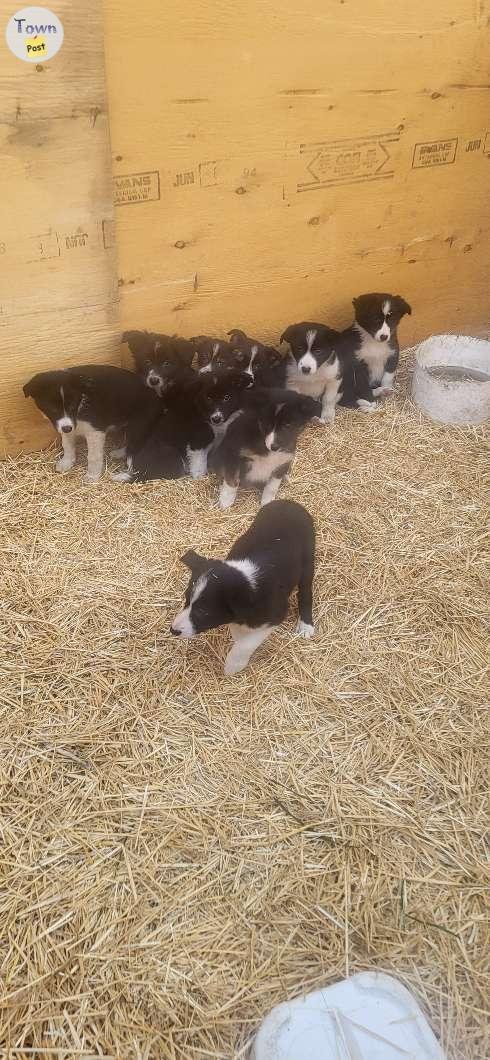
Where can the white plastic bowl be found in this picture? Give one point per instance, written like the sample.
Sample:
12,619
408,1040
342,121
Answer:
451,381
370,1016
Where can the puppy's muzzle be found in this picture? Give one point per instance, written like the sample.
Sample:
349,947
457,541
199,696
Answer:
67,428
154,380
176,632
305,368
217,417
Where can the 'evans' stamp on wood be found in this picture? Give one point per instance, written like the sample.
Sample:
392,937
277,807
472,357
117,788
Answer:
136,187
435,153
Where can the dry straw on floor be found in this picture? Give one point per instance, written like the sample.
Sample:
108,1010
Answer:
181,851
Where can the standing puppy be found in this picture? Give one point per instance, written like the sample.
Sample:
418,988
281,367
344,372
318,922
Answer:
368,350
250,590
259,446
87,402
265,365
313,367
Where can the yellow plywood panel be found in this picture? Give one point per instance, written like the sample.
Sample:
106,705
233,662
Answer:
272,160
58,283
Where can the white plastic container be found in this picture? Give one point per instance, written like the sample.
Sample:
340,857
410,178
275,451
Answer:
451,381
370,1016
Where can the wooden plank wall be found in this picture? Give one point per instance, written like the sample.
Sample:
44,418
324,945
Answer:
58,276
271,160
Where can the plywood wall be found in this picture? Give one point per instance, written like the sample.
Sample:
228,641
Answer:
273,159
58,278
269,161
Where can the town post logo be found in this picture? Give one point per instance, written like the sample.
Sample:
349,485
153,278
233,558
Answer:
34,34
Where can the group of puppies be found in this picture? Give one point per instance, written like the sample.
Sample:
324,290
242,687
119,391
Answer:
236,408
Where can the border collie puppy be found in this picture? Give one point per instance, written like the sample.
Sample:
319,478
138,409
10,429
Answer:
313,367
250,590
151,352
369,350
211,353
87,402
177,441
265,364
259,446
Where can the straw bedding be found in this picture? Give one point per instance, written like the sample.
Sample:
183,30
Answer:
181,851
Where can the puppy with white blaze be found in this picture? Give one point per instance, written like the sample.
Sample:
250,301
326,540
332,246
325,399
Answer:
87,402
368,350
249,591
313,367
259,446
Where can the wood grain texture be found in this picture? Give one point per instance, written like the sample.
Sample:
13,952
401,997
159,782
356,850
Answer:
237,112
58,282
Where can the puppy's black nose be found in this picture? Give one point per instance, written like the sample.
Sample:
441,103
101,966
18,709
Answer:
274,447
306,369
153,380
384,338
66,428
216,417
176,632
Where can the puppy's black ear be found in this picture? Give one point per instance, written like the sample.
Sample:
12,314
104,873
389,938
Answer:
239,597
355,302
197,564
28,388
135,339
287,335
403,306
236,335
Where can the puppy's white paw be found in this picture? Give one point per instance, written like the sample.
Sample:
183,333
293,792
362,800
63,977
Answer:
367,406
227,496
122,476
322,421
92,476
64,464
234,665
303,629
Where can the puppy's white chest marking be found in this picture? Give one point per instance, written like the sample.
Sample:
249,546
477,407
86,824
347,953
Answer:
312,385
375,354
262,468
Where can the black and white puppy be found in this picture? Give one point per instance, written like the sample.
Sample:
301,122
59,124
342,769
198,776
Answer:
250,590
212,354
87,402
265,364
258,447
192,412
369,350
313,367
152,351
